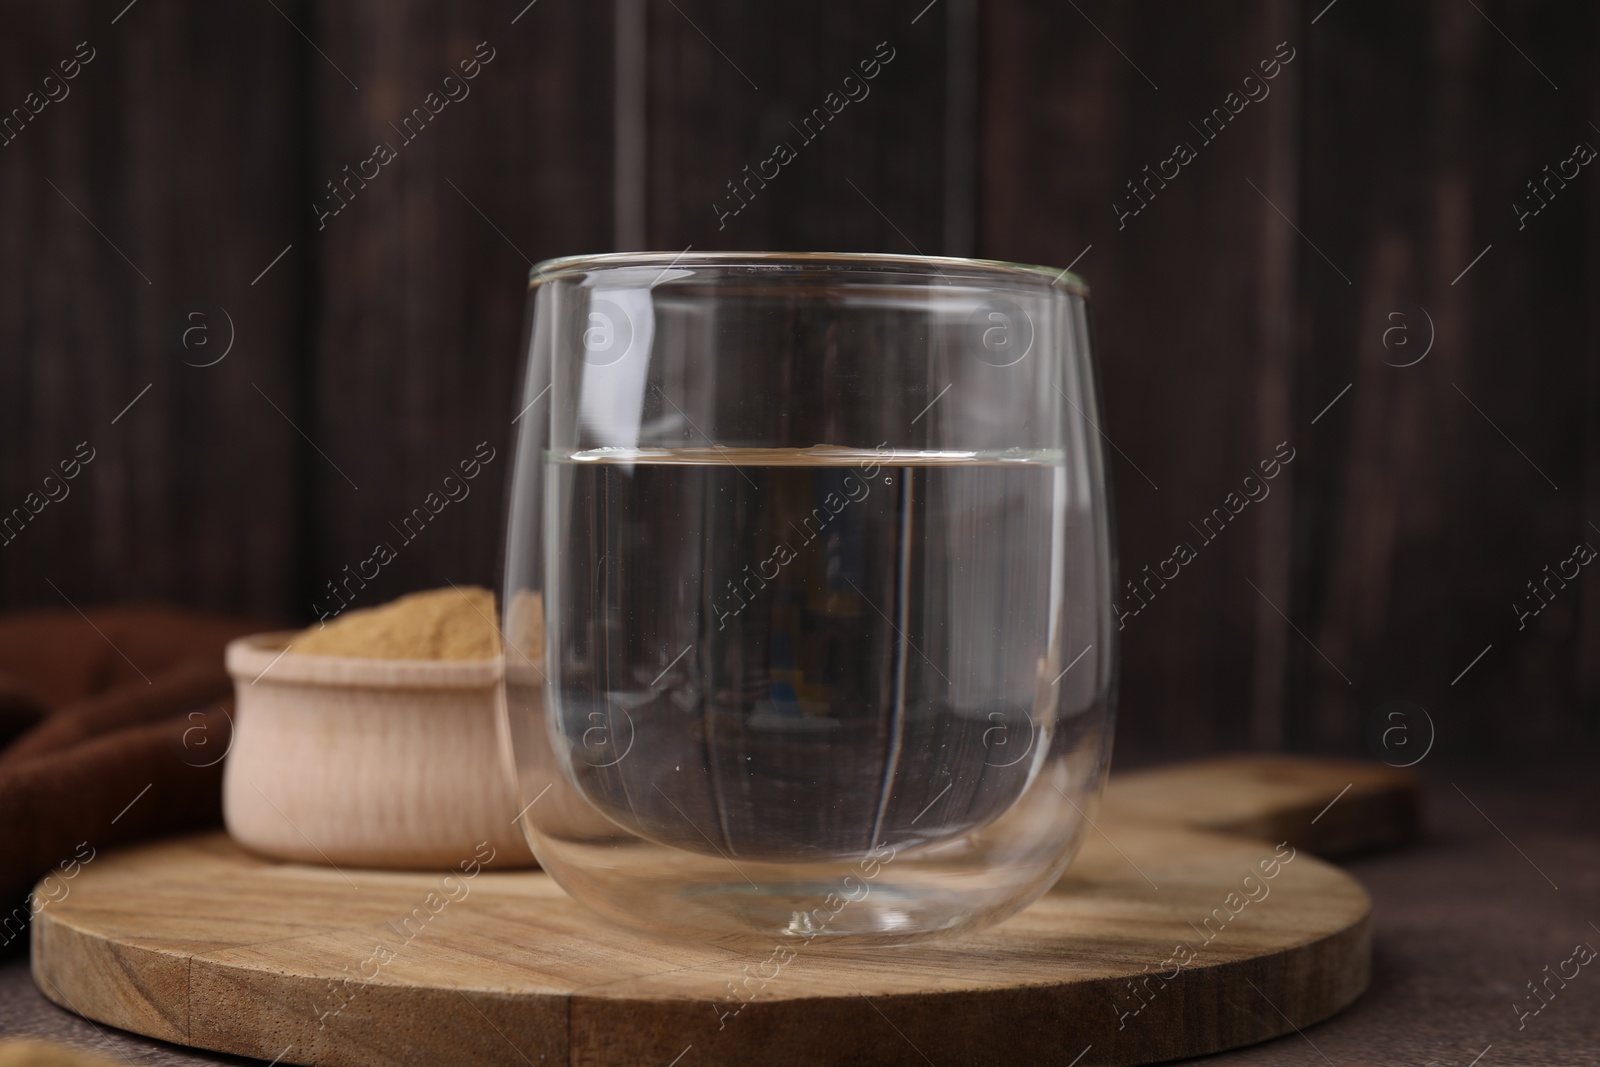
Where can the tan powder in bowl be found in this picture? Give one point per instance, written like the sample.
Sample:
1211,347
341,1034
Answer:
451,624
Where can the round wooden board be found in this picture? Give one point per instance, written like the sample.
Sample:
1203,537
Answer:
197,942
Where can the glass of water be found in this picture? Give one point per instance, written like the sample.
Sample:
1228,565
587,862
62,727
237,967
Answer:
808,584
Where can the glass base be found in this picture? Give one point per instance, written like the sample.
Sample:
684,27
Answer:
885,898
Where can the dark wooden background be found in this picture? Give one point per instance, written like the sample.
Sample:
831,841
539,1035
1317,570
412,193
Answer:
1251,291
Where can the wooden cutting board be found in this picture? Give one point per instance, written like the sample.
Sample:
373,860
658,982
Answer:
196,942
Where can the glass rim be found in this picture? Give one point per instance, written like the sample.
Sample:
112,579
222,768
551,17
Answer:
566,266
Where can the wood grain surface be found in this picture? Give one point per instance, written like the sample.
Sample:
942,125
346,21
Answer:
380,762
160,183
1439,971
723,89
1396,143
424,272
1419,448
1334,808
196,942
1068,127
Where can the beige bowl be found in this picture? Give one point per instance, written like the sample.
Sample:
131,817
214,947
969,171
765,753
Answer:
367,762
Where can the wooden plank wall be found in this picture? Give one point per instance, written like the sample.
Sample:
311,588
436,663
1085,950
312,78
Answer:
1445,487
422,277
1309,236
161,181
1190,300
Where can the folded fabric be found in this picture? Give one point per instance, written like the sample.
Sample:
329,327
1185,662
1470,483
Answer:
63,656
117,721
192,683
20,711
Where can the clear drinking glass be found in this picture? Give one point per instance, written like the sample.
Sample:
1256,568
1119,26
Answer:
807,594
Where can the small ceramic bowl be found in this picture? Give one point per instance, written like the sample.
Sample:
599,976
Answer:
367,762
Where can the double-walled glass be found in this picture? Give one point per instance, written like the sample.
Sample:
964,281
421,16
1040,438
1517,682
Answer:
807,591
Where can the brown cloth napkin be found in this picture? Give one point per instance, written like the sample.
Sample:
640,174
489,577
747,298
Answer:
113,725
